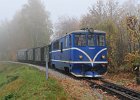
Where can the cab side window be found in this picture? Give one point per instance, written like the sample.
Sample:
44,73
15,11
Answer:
67,41
56,45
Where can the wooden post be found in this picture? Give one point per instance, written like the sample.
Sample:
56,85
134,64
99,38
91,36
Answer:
46,68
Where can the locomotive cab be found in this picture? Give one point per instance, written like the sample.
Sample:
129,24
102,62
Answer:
82,53
89,54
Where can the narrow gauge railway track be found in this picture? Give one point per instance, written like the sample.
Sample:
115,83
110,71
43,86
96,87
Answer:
122,92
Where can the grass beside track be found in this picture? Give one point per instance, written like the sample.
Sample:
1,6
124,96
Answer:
22,82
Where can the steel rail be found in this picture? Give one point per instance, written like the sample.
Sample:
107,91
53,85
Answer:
123,93
122,89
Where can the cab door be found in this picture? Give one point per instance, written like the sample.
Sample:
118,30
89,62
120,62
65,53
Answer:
68,48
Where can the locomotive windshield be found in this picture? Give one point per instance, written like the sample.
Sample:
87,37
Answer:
90,40
100,40
80,40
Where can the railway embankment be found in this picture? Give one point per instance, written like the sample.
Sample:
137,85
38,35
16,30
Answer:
22,81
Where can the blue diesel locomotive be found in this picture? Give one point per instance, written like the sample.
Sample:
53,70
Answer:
82,53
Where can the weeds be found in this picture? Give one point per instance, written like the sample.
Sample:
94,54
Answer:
24,82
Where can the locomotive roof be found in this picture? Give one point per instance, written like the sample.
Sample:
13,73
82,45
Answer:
95,31
82,31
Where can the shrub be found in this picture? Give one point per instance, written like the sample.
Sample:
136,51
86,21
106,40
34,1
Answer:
132,59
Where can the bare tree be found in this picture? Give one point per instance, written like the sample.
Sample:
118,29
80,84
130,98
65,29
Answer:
65,25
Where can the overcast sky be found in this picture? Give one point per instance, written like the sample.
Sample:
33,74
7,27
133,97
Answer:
9,7
68,7
57,8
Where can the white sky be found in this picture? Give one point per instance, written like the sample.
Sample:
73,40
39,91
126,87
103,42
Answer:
57,8
9,7
72,8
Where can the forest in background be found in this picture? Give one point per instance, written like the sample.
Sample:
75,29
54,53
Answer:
31,27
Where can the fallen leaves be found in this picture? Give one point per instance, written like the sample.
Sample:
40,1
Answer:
126,79
76,89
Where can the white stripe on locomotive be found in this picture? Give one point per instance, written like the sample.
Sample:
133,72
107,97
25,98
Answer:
90,60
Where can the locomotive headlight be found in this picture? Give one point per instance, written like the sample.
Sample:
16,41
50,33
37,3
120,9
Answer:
103,57
80,57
